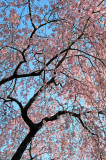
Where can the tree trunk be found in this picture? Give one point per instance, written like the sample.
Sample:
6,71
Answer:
18,154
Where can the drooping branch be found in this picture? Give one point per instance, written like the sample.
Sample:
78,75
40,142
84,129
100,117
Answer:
4,80
12,47
35,73
27,106
82,76
52,80
86,53
15,100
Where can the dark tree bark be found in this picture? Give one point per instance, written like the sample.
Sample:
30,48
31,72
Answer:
34,128
18,154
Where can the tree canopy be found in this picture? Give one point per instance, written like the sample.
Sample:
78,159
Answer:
52,79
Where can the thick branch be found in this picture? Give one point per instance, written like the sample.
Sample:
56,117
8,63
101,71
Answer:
100,3
15,75
58,114
62,59
23,145
34,130
37,127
